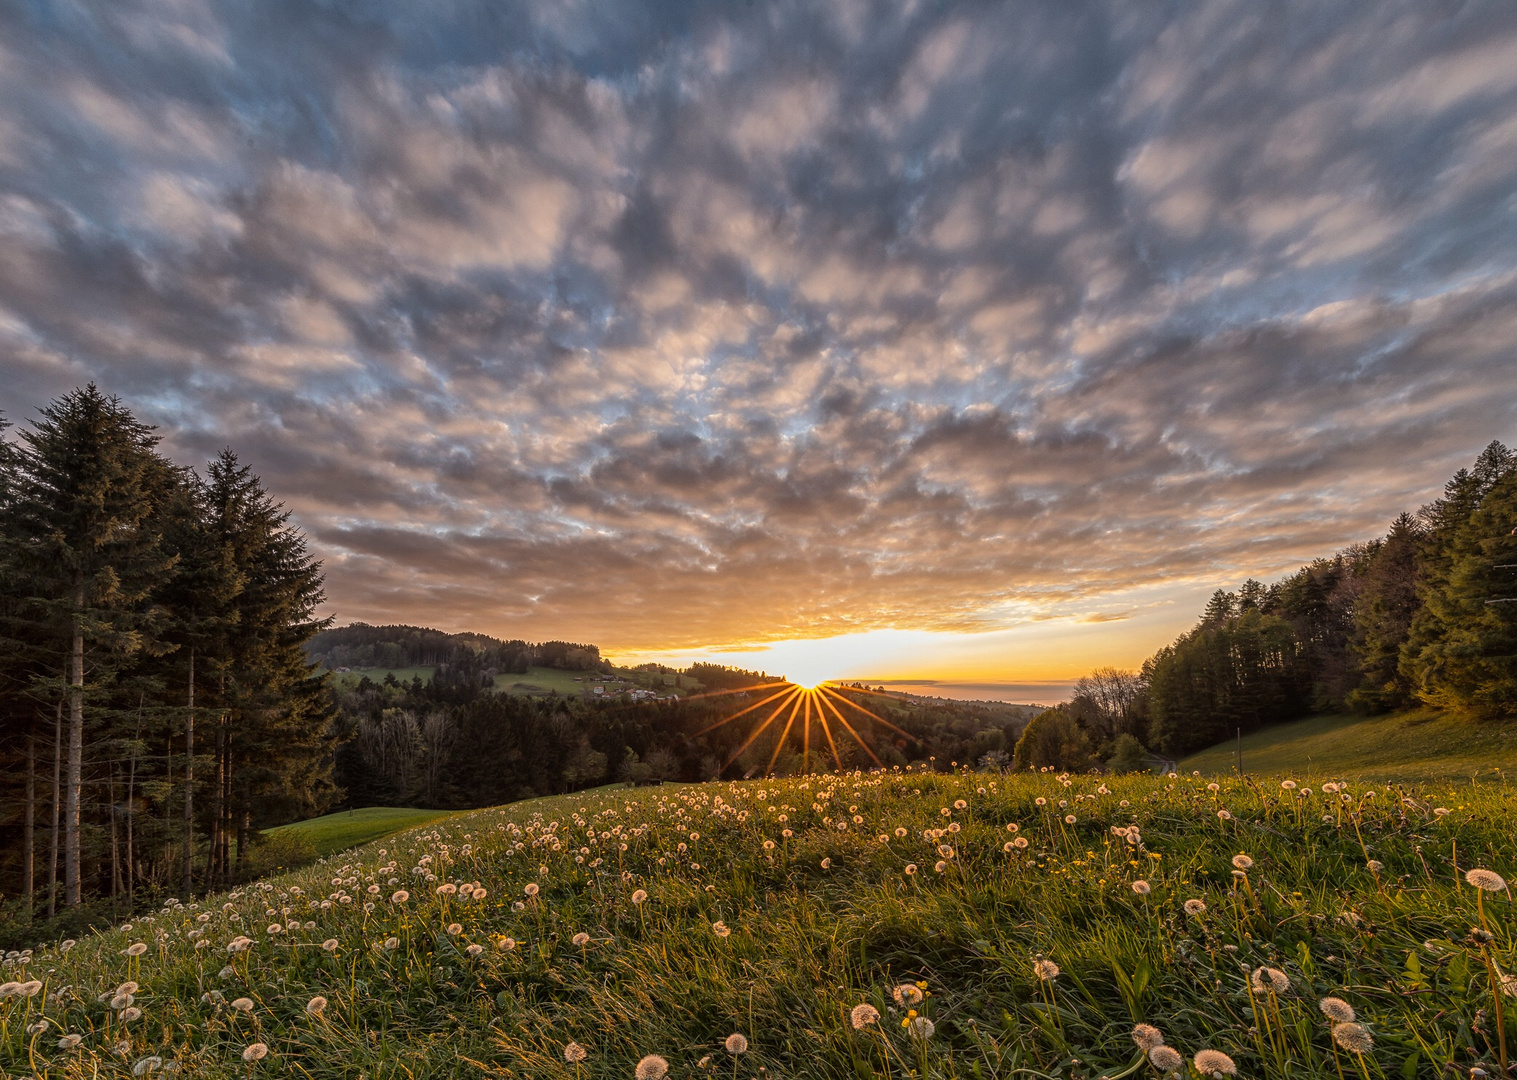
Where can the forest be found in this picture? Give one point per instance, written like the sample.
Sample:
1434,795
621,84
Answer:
1425,615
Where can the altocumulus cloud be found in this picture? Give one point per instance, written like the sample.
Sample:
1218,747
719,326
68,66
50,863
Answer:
673,323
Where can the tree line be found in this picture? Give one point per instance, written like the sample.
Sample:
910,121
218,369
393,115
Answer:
156,700
1425,615
466,655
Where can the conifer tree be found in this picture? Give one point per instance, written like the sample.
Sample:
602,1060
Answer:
83,538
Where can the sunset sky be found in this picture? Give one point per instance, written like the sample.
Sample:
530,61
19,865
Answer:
983,340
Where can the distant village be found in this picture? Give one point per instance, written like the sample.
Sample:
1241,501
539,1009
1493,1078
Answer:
603,686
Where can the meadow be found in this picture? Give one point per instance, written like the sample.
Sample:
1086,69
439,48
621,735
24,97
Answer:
349,828
1414,746
856,925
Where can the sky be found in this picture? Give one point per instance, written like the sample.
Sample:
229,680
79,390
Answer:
959,344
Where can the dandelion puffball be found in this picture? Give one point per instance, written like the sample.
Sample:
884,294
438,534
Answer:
639,896
1355,1038
1147,1037
1215,1063
70,1042
1243,862
922,1027
652,1067
244,1005
720,929
1046,970
863,1015
130,1013
574,1053
330,945
530,888
1488,880
137,948
1166,1059
907,994
1337,1010
736,1044
505,944
1195,907
316,1006
255,1052
1142,888
581,938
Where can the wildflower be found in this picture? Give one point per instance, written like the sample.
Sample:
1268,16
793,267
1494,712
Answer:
1268,978
130,1013
1337,1010
479,894
446,889
736,1044
255,1052
1021,842
136,948
1166,1059
1040,801
911,868
1288,785
275,928
70,1041
399,896
940,866
1355,1038
863,1015
1069,819
1045,970
243,1005
574,1053
639,896
505,944
1147,1037
907,994
652,1067
959,804
330,944
581,938
316,1005
1142,888
391,944
454,929
1215,1063
1488,880
530,888
1195,907
147,1065
1243,862
720,929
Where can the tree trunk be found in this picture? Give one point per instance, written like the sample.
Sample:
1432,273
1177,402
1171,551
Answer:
29,840
52,857
189,785
75,750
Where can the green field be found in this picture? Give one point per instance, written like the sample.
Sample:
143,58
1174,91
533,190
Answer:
334,832
1409,746
661,921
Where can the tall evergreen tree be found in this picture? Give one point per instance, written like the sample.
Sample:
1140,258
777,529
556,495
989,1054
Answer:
82,524
1382,617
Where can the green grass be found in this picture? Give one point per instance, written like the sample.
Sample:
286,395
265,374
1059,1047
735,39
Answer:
1358,894
1409,746
335,832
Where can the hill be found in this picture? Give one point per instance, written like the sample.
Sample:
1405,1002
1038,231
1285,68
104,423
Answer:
1410,746
952,925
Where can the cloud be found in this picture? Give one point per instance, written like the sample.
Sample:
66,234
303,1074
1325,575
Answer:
668,325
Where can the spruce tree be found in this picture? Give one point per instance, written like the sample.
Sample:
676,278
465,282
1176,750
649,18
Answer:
88,554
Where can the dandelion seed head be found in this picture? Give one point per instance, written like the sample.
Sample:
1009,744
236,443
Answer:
736,1044
639,896
329,945
70,1042
580,938
1214,1063
1337,1010
130,1013
1147,1037
391,944
147,1065
1243,862
863,1015
907,994
1142,888
1488,880
652,1067
574,1053
255,1052
1166,1059
720,929
399,896
1355,1038
1045,970
1195,907
136,948
316,1006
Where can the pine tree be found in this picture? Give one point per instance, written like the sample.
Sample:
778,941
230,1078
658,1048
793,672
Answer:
1383,613
84,541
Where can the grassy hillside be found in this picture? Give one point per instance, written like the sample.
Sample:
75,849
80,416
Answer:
1406,746
335,832
808,916
534,681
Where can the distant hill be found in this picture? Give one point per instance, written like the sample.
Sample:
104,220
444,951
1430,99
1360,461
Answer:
360,645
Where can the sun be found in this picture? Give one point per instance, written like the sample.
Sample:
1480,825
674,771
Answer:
795,706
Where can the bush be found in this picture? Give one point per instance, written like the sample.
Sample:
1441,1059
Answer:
1128,756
